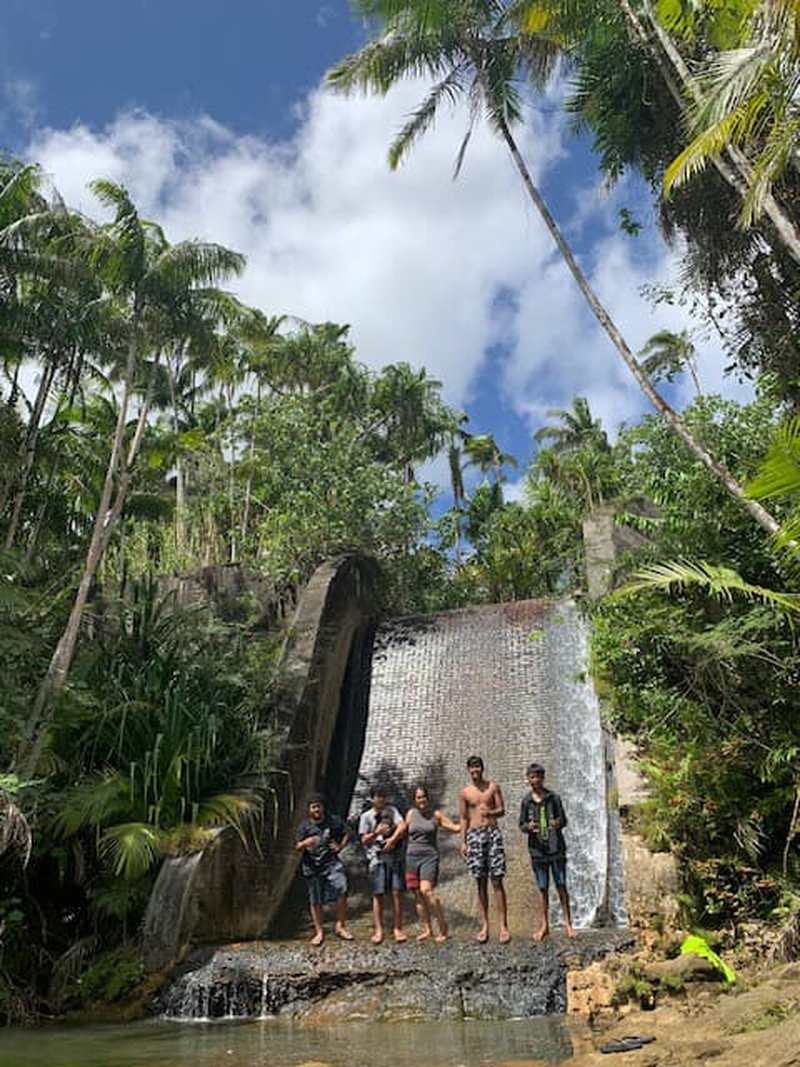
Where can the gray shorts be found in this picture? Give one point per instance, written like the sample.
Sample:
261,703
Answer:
421,869
386,878
328,885
486,856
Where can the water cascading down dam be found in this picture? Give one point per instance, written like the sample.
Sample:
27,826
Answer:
510,683
507,682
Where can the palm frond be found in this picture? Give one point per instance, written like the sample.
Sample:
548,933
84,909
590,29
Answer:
708,145
779,473
131,848
720,582
450,88
92,804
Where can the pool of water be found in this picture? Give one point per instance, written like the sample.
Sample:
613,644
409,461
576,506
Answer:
280,1044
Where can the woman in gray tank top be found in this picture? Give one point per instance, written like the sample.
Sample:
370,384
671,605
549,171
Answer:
422,860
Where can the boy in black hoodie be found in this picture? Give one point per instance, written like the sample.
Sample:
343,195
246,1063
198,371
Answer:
542,818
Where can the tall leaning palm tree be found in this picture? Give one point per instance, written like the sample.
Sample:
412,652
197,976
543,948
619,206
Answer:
475,49
147,278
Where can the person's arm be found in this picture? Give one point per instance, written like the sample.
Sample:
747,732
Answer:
463,819
367,836
444,820
498,808
306,842
524,822
560,820
340,843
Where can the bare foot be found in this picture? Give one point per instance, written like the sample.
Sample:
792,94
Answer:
426,933
377,937
483,936
343,932
541,933
400,937
317,938
505,937
570,930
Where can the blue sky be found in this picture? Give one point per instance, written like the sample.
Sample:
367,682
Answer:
215,117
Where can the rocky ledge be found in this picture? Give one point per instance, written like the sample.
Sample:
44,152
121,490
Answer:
341,981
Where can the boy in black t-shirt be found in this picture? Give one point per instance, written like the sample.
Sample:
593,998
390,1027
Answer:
321,838
542,818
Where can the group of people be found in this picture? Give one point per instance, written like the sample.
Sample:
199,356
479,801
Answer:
321,837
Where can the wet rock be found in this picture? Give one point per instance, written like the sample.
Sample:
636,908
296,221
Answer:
356,981
685,968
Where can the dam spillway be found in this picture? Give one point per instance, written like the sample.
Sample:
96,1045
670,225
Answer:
510,683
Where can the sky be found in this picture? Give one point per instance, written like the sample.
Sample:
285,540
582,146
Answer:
216,118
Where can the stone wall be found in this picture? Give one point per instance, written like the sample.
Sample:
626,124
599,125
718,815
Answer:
232,889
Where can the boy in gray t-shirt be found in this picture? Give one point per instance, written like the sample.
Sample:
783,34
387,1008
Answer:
380,829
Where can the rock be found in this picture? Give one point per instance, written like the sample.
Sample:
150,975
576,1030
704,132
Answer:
686,968
589,991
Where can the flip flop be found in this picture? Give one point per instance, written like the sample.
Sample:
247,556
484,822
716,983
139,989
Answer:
626,1044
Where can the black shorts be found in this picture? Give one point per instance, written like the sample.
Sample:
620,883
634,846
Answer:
327,885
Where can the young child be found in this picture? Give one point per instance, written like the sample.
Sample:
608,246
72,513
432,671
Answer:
321,838
380,828
542,818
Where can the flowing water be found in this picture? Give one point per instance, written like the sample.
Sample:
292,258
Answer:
510,683
228,1044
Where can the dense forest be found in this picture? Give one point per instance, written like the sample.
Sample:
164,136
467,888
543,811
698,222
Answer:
151,425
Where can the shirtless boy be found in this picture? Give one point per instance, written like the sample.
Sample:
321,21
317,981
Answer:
480,805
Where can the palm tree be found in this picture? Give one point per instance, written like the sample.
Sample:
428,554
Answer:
472,49
687,91
667,354
745,98
576,429
147,278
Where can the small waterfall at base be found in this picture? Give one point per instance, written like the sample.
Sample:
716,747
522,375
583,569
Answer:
510,683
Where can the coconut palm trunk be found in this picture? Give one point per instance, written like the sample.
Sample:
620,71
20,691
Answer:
718,469
734,168
55,678
29,448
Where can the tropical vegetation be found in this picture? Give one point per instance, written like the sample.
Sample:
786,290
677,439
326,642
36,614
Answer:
152,427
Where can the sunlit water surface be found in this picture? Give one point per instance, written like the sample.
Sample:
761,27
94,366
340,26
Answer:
280,1044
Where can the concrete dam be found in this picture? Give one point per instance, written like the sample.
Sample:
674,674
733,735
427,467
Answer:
403,701
510,683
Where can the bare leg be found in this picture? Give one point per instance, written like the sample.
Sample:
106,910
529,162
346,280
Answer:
483,908
502,908
340,926
397,916
544,928
563,896
377,919
434,905
316,918
424,916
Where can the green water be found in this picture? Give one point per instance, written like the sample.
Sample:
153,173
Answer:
280,1044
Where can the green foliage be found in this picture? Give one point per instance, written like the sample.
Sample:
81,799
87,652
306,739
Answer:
109,979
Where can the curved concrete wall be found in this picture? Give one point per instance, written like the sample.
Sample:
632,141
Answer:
231,891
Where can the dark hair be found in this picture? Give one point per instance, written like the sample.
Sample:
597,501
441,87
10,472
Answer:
535,768
420,787
316,798
379,789
475,761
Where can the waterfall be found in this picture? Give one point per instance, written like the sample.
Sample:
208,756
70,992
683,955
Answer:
509,683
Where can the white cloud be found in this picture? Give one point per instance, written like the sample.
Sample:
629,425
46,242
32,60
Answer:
412,260
19,101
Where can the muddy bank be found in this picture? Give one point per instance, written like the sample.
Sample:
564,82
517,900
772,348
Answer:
756,1023
339,982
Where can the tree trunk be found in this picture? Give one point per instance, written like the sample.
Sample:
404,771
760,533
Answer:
180,473
29,448
55,678
737,173
720,472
